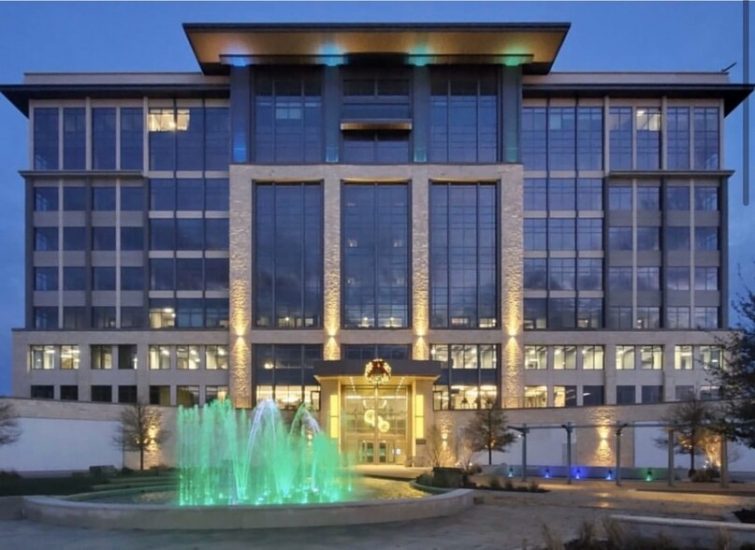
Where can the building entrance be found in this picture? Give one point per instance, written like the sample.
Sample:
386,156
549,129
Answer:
375,423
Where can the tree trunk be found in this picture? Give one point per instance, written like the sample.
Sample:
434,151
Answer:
490,455
141,459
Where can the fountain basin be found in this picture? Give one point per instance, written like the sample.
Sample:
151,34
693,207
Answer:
103,515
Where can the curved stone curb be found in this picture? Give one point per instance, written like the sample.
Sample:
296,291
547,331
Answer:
165,517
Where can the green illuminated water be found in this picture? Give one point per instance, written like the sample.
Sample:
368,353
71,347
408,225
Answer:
227,456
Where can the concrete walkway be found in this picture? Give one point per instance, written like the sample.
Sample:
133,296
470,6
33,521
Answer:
505,520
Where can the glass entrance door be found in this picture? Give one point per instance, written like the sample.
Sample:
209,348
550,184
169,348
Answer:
375,423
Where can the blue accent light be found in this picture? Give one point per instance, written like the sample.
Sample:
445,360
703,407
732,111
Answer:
609,475
547,474
332,55
511,472
419,56
578,474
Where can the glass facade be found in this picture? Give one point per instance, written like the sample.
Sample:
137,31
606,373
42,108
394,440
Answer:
288,259
375,255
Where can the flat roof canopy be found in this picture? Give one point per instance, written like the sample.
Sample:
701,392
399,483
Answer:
532,45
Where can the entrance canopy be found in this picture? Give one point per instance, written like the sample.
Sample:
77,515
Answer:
399,368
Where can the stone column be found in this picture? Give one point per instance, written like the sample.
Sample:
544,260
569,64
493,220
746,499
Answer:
511,250
420,193
332,265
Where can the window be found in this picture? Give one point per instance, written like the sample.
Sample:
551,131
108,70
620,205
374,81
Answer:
706,238
102,394
648,317
132,278
677,317
378,147
561,274
159,357
535,397
75,318
42,357
652,394
535,194
45,239
103,138
161,274
619,278
101,357
589,194
589,234
648,124
620,137
216,195
74,138
677,278
651,357
216,357
190,194
706,278
46,138
625,395
42,392
620,317
162,194
69,357
561,136
534,141
69,393
132,317
648,238
589,274
45,317
103,317
74,238
620,238
683,357
159,395
592,396
561,194
590,138
187,357
74,198
190,138
706,317
45,278
561,313
132,140
216,274
189,274
103,198
564,357
103,278
127,358
162,234
211,393
589,313
126,394
367,352
463,118
189,234
619,197
677,136
648,197
561,234
564,396
592,357
535,277
706,138
189,313
286,370
677,197
711,357
684,393
103,238
535,357
648,278
216,233
217,138
677,238
288,119
624,357
46,199
463,255
162,127
706,198
288,255
534,313
132,238
535,234
162,313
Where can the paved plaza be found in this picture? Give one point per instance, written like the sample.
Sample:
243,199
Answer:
503,520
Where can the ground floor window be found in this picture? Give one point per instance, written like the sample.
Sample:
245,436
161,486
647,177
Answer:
291,397
42,392
187,396
462,397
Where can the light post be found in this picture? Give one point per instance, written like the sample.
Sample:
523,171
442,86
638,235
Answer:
569,428
524,430
619,428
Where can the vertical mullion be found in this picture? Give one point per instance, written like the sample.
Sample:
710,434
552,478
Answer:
301,257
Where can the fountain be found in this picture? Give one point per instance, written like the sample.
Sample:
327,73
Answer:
227,457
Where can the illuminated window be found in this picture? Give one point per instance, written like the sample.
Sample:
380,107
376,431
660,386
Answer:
592,357
216,357
187,357
651,357
624,357
69,357
535,397
159,357
535,357
564,357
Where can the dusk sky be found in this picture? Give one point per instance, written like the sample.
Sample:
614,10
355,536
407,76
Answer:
122,37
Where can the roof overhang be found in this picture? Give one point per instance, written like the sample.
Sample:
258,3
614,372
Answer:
354,368
218,46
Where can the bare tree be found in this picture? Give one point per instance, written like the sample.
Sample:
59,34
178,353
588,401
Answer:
488,431
9,430
692,421
438,448
140,430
